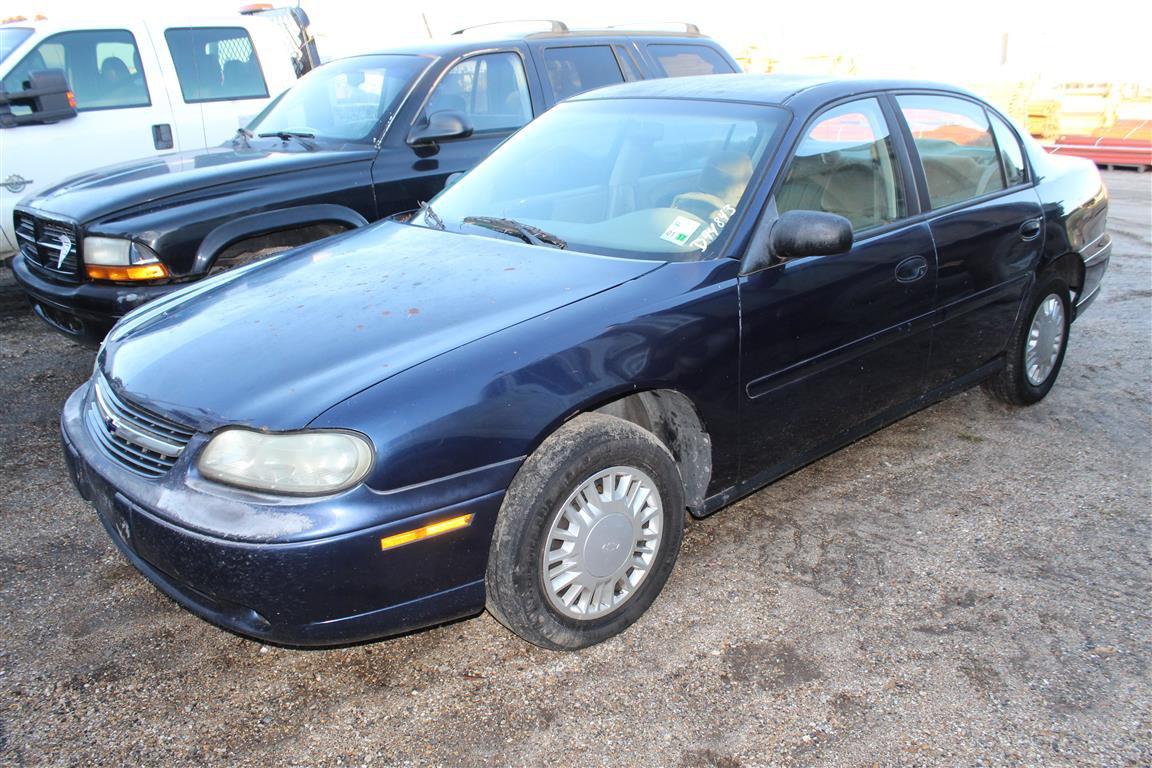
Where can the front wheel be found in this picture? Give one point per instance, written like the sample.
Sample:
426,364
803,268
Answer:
1036,349
587,534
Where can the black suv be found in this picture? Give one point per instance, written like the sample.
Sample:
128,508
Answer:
353,141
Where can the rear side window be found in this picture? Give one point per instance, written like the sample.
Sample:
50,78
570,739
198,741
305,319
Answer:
216,64
1011,155
687,60
103,68
846,165
955,145
581,68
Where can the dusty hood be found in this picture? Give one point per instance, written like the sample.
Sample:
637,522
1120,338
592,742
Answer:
276,344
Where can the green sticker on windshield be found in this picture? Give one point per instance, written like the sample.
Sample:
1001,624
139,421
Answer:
680,231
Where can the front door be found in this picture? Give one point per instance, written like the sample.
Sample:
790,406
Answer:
830,342
491,91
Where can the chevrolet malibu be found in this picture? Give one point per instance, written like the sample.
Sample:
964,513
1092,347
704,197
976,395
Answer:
655,299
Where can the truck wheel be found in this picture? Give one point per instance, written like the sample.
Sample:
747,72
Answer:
1036,348
587,535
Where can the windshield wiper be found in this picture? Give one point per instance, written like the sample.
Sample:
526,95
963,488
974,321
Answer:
286,135
525,232
431,216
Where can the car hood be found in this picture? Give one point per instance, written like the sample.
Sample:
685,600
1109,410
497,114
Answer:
101,192
275,344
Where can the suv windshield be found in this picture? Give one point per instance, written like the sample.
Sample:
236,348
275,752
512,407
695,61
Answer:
10,39
344,100
643,178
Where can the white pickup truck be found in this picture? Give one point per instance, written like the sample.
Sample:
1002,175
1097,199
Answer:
79,95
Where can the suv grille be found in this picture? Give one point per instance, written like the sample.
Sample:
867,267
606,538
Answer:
49,247
139,441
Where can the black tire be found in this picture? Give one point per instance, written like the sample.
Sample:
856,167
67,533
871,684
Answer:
516,593
1012,384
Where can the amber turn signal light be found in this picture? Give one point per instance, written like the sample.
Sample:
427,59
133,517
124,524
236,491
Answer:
128,273
427,532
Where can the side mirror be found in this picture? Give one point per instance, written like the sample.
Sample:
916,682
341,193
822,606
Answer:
797,234
441,126
48,96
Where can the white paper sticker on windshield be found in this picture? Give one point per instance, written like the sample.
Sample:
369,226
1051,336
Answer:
680,231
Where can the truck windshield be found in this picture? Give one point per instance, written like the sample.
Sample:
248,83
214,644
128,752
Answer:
10,39
344,100
639,178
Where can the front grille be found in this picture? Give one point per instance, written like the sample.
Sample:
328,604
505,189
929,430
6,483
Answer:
49,247
140,441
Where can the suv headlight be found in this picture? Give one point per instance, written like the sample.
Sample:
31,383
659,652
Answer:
113,258
306,463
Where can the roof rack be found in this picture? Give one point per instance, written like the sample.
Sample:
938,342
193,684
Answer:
688,26
554,26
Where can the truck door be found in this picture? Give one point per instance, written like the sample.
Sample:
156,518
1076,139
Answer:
222,82
121,109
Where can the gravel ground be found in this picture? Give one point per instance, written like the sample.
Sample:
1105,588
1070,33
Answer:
967,587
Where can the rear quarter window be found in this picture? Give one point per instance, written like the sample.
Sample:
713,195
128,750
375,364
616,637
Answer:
688,60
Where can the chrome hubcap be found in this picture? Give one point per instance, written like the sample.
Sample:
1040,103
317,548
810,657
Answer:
1045,340
602,543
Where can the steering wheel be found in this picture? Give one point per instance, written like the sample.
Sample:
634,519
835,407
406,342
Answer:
700,204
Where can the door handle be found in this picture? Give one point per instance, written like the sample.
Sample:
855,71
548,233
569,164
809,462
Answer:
1030,230
162,136
911,269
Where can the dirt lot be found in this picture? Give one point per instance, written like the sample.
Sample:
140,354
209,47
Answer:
967,587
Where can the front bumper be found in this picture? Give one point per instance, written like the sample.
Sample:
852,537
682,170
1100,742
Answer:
326,591
84,311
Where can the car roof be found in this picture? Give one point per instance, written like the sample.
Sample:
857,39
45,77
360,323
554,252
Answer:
759,89
458,44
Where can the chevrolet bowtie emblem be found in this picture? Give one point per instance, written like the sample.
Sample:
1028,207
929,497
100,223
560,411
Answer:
65,247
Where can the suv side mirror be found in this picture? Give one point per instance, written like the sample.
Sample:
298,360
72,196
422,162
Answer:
797,234
442,125
48,96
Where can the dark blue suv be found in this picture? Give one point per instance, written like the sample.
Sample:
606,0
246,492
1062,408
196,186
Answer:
653,300
352,142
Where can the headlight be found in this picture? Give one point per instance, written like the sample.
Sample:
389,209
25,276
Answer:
113,258
314,462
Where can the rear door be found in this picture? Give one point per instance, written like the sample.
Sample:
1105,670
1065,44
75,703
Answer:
830,342
566,70
986,222
221,81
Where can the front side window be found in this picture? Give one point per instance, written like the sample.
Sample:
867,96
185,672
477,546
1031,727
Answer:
1011,155
490,90
687,60
102,66
641,178
344,100
581,68
216,64
846,165
955,145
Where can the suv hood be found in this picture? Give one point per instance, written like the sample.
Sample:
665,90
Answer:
276,344
140,183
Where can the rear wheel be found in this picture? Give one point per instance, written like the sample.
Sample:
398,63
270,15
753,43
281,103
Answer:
587,535
1036,349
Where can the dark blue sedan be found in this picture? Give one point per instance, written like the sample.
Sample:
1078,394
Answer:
653,300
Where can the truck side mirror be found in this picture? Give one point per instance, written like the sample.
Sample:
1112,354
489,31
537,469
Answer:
47,95
443,125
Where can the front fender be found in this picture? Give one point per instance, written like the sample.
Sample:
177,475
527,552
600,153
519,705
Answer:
497,398
262,223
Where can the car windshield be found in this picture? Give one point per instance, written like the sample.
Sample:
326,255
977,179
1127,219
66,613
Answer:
642,178
10,39
344,100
